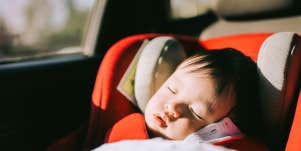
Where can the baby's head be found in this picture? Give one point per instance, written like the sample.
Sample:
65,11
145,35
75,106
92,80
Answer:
204,89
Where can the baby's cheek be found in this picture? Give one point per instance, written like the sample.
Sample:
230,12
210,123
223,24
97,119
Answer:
156,104
182,128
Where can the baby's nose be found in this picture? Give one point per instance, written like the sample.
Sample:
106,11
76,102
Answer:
173,110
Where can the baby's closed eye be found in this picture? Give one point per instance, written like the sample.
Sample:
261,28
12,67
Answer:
172,89
195,113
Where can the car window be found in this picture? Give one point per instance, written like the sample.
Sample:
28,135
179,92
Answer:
38,28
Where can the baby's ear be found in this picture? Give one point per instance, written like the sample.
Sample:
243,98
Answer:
157,61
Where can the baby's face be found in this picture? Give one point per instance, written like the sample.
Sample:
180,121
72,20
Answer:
185,103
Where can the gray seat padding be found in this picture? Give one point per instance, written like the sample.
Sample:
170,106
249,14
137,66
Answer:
279,63
158,60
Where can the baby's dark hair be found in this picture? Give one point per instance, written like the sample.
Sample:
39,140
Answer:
232,69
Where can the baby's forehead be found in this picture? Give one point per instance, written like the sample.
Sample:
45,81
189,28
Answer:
198,73
189,77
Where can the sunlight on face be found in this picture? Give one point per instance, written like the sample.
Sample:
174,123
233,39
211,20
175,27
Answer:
185,103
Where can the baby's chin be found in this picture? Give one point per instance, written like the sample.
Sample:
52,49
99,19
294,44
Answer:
172,137
154,132
157,133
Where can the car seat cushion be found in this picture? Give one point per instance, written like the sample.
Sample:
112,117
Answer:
131,126
272,65
157,61
279,69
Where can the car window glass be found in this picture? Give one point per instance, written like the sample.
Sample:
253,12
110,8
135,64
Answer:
36,28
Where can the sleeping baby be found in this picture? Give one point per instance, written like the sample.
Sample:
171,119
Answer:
210,97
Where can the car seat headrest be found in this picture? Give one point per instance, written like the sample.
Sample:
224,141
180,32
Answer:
279,68
158,59
238,8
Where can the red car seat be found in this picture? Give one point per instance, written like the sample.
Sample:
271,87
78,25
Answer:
110,109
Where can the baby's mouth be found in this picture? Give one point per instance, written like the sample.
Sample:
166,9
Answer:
159,120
